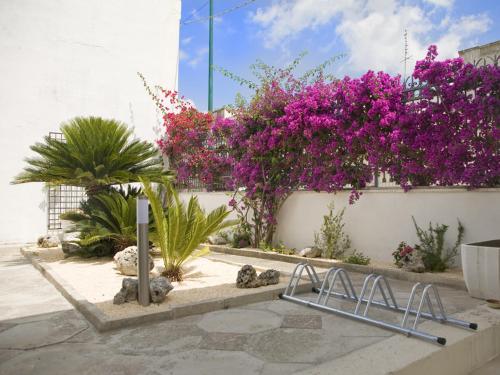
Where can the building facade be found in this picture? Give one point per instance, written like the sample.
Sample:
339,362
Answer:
482,55
61,59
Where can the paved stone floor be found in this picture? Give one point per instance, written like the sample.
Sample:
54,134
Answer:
40,333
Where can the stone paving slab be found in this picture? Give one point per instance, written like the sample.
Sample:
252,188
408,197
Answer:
249,343
302,321
24,291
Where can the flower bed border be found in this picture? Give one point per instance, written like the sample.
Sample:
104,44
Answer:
103,322
426,277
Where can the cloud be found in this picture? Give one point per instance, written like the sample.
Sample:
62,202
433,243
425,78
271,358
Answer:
183,55
198,57
441,3
187,40
459,31
372,30
287,18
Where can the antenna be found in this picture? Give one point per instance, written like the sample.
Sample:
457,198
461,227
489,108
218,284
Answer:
406,57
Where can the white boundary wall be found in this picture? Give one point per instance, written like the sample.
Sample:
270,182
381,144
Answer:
61,59
381,218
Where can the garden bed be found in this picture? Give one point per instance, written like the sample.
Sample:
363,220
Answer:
90,284
452,277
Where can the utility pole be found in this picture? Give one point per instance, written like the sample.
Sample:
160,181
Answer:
211,58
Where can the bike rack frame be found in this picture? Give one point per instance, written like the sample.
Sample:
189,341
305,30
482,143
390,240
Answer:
380,283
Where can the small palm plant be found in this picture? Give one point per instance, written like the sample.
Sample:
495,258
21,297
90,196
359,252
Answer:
107,218
96,154
181,228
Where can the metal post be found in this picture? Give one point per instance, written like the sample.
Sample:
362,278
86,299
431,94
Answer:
211,57
378,323
143,249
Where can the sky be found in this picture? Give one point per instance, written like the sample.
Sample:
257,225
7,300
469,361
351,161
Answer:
370,34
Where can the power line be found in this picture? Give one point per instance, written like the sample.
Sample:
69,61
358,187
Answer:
223,13
195,12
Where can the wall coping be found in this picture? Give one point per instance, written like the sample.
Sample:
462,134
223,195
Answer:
389,189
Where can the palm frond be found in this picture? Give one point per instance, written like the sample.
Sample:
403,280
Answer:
181,228
96,152
107,216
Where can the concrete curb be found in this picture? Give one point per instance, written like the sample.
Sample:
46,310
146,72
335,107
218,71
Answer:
464,352
103,322
427,278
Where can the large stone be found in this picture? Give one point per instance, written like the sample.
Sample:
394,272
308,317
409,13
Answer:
218,239
48,241
126,261
70,236
269,277
247,277
310,252
70,248
128,292
159,288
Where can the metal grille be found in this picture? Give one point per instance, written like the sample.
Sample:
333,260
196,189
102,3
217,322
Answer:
193,183
61,198
412,88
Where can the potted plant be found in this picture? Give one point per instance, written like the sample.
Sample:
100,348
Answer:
481,267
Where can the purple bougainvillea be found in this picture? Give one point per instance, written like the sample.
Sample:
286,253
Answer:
451,136
327,136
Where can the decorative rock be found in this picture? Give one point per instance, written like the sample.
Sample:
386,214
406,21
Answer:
128,292
70,236
269,277
70,248
247,277
153,251
217,239
221,238
126,261
414,264
310,252
48,241
159,288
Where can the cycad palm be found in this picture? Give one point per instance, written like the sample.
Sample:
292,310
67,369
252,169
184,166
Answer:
108,217
96,153
180,229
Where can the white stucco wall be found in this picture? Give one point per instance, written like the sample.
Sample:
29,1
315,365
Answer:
381,218
60,59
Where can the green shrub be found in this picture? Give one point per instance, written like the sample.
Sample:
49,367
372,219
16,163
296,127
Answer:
181,228
435,256
332,241
357,257
106,222
242,234
279,248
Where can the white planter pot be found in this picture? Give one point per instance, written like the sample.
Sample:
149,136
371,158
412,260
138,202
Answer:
481,266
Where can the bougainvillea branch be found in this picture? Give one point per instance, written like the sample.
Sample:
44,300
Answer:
326,135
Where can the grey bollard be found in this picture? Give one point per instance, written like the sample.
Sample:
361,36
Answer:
143,249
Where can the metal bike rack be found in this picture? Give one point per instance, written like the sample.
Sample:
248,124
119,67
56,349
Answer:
428,295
